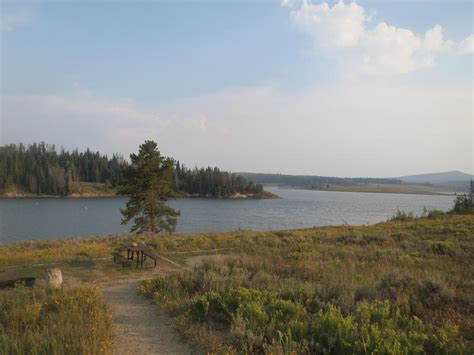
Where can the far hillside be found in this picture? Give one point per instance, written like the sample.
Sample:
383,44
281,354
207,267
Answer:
416,184
437,178
313,181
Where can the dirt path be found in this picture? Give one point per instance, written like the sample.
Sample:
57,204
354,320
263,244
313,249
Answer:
139,327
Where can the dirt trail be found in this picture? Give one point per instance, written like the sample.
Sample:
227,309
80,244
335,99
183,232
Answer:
139,327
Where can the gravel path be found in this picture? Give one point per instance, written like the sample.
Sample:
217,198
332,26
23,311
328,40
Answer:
139,327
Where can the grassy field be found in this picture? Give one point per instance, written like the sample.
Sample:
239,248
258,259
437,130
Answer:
396,287
393,287
40,321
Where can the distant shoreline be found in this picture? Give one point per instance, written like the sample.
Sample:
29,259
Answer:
384,189
263,196
364,188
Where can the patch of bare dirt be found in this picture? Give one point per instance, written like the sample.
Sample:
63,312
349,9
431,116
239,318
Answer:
139,327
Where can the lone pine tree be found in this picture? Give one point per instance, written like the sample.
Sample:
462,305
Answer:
148,182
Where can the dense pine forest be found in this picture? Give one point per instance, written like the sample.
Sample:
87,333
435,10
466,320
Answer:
212,182
42,169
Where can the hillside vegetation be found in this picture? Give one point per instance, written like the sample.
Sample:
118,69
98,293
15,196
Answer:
396,287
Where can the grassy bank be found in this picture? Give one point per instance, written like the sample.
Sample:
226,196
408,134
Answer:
97,189
70,321
78,189
397,287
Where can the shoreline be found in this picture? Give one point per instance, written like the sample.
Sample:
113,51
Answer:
266,195
342,189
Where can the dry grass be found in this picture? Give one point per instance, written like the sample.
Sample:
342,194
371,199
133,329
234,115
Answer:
66,321
422,267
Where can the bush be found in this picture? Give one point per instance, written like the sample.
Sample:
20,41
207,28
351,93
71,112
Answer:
260,321
402,216
435,214
365,293
441,247
416,297
463,205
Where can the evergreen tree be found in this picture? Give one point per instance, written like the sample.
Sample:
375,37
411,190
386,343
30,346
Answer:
148,182
39,168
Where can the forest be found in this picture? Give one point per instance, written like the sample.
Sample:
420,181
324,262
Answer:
212,182
41,169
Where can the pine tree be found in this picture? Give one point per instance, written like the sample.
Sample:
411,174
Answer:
148,182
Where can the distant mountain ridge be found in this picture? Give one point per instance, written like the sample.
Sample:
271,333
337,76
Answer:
312,181
433,183
437,178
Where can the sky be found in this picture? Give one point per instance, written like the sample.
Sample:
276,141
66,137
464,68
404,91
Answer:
369,88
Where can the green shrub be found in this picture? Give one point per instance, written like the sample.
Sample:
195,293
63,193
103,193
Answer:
332,333
416,297
435,213
402,216
365,293
433,294
440,247
463,205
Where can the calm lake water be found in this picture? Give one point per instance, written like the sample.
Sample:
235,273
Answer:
59,218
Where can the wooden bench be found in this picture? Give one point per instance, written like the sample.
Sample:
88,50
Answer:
120,259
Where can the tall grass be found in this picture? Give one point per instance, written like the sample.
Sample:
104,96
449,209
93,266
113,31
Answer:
65,321
395,287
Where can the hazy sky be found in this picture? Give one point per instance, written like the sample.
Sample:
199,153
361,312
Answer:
302,87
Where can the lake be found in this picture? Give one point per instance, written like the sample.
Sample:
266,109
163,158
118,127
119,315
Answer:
59,218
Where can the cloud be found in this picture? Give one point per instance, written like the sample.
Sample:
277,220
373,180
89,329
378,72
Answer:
330,27
81,121
11,19
466,46
328,130
199,125
342,31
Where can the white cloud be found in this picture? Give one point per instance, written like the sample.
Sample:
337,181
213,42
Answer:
339,26
342,31
11,19
199,125
342,130
466,46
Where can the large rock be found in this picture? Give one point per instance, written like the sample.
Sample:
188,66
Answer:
54,278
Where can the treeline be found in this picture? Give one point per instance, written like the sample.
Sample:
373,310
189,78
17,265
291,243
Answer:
212,182
313,182
41,169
